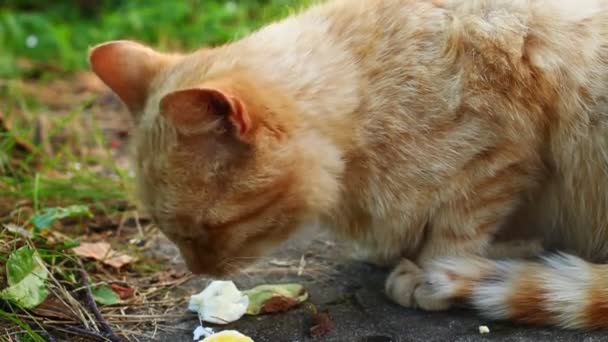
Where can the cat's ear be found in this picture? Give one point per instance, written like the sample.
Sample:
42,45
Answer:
127,68
198,110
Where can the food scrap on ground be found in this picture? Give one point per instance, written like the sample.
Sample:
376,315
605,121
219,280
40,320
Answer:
274,298
484,329
228,336
202,331
220,303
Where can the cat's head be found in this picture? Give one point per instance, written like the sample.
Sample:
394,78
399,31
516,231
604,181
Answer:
224,163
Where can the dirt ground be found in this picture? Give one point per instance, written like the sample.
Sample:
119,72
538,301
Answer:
351,293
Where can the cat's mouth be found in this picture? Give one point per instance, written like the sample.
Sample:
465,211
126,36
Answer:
214,267
216,272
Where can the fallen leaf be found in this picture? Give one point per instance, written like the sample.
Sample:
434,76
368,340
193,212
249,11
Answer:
105,296
53,307
322,325
278,304
122,291
26,276
96,250
119,261
18,230
170,275
103,252
274,298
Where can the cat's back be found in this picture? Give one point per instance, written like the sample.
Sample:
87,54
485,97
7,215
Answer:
559,42
546,62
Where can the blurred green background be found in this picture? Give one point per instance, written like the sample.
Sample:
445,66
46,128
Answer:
64,138
57,33
58,127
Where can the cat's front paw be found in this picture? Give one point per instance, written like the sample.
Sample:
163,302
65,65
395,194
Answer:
408,287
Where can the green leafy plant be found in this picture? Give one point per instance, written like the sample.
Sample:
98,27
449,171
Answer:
46,217
273,298
104,295
26,277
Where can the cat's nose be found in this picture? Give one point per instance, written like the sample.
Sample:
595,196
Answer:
202,265
205,270
195,265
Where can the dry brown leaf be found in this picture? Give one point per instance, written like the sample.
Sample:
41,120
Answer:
170,275
119,261
95,250
103,252
52,307
123,292
279,304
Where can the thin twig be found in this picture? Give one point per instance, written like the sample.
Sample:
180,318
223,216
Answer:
302,265
72,330
90,303
147,317
46,336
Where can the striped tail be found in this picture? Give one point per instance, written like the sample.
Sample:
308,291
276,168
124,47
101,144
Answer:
561,290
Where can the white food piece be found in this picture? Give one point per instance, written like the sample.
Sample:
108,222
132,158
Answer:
201,331
220,303
484,329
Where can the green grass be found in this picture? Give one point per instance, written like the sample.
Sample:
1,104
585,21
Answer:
71,162
63,31
28,333
60,32
61,176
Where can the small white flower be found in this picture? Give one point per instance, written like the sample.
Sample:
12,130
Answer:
230,7
484,329
31,41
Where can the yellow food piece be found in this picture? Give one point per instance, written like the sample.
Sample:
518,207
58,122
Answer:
227,336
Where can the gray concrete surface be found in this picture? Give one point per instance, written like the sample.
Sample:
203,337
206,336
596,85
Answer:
352,294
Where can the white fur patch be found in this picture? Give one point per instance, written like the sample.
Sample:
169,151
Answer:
491,282
490,295
566,286
463,268
563,278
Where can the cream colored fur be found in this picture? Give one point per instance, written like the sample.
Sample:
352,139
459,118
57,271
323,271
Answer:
417,129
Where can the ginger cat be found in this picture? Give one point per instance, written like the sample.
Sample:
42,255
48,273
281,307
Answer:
427,132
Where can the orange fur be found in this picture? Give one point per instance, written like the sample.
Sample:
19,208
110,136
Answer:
420,130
